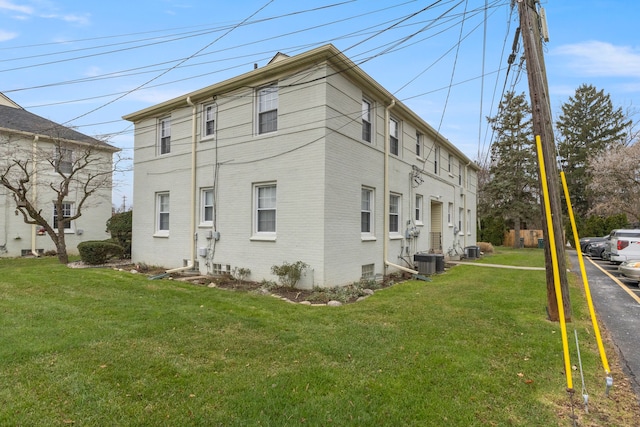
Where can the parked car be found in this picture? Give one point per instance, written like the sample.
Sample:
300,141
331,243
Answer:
596,249
630,269
584,241
625,245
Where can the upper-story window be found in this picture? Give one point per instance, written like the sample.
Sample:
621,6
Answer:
268,109
450,164
418,144
209,120
366,120
394,143
436,160
164,135
459,173
64,160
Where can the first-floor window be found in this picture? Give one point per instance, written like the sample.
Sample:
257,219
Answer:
366,210
162,209
468,221
67,211
265,208
418,208
460,215
206,213
450,215
394,213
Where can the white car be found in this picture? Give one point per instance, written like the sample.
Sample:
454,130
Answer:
625,245
630,269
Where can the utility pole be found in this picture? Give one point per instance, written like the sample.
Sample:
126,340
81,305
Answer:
542,125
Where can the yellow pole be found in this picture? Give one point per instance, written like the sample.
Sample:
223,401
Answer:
585,281
554,259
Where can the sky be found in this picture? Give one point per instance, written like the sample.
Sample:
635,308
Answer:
86,64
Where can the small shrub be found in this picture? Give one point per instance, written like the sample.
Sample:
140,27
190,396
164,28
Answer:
485,247
94,252
120,226
268,284
289,274
240,274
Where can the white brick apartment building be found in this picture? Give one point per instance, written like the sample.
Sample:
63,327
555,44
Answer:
305,159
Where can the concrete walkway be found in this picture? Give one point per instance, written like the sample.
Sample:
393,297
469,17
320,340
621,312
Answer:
514,267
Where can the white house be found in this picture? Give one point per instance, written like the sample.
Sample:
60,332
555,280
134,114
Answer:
305,159
30,147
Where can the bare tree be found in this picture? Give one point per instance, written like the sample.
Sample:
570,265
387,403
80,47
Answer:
615,181
55,170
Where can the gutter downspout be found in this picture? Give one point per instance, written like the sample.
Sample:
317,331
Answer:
34,153
385,237
192,228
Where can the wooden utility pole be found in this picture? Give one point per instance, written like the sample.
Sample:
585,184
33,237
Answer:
542,125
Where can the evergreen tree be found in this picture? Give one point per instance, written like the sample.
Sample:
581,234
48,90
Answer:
588,126
511,190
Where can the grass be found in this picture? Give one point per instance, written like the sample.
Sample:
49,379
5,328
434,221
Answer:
98,347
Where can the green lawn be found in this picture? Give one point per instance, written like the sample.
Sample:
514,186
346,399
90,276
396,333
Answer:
97,347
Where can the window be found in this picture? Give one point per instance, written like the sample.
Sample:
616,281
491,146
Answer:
162,212
64,160
67,211
460,216
418,209
368,271
206,201
459,173
394,213
450,163
436,159
450,215
394,144
268,109
468,218
265,221
418,144
209,112
366,120
366,211
164,131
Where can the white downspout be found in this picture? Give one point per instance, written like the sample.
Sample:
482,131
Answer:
192,228
35,193
385,237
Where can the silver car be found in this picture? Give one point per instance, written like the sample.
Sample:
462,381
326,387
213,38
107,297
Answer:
630,269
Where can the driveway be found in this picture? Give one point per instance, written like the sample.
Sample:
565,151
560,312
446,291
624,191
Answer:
617,304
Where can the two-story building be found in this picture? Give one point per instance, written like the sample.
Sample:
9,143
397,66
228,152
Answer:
38,155
305,159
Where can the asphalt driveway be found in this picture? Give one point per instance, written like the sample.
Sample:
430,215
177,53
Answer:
617,304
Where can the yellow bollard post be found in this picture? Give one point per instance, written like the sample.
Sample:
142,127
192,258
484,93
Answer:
585,281
554,259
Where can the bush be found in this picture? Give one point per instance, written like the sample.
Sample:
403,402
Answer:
289,274
120,226
485,247
96,252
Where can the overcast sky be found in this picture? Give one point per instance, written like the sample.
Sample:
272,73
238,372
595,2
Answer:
86,64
